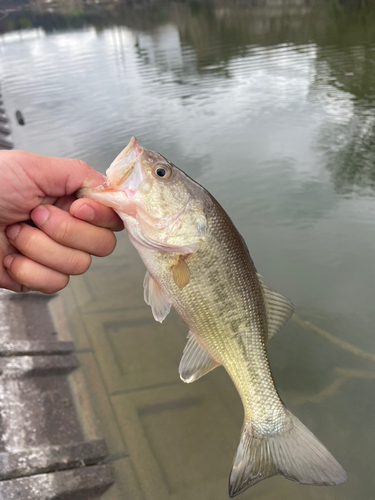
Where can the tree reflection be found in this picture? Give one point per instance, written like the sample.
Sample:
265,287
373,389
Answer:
218,31
345,76
349,153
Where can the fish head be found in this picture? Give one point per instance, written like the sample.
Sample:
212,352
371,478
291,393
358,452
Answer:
162,208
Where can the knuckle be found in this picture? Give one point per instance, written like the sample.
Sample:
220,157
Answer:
27,239
20,270
31,243
36,277
54,285
62,231
108,244
80,264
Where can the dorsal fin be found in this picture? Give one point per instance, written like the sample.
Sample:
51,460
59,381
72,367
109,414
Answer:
155,298
195,361
279,309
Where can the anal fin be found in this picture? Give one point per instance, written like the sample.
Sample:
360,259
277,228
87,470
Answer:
195,361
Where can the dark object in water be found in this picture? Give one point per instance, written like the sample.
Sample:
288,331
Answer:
20,118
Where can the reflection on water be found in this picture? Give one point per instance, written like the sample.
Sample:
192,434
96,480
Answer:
270,105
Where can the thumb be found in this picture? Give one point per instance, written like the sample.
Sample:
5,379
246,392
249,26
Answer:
55,176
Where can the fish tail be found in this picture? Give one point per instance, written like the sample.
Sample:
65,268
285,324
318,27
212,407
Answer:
295,453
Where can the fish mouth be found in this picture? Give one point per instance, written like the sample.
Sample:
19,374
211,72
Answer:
123,178
125,172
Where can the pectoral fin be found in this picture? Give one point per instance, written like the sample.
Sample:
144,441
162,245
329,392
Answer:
181,273
195,361
155,298
279,309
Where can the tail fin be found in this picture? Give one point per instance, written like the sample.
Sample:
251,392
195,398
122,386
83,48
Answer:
296,454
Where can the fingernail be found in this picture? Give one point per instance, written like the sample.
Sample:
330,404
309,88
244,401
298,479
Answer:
13,230
85,213
94,182
40,215
7,261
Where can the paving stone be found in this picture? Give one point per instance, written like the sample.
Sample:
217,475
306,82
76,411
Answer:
94,403
40,430
25,317
127,485
23,366
86,483
34,347
35,460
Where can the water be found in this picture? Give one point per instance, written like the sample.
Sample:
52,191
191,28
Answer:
271,108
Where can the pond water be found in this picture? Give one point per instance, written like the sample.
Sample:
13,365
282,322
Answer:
271,107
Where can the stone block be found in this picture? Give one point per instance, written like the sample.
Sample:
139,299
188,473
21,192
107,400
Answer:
86,483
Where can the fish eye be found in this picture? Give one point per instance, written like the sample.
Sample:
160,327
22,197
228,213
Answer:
162,171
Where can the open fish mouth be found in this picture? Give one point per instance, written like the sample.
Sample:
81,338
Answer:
129,161
124,176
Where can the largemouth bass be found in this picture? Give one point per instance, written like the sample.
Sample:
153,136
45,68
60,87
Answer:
198,263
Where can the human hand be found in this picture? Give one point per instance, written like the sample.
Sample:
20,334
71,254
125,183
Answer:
68,230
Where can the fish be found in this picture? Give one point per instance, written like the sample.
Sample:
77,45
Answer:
199,264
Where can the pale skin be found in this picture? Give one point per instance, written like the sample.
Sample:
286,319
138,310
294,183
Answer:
68,232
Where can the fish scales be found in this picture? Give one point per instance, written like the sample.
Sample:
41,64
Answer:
198,263
202,307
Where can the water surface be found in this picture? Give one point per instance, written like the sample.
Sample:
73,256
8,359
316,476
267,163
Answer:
271,108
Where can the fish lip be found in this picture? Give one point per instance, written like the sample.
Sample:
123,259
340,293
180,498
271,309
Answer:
123,178
127,180
118,200
132,145
95,193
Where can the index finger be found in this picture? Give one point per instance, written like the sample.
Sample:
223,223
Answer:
97,214
76,234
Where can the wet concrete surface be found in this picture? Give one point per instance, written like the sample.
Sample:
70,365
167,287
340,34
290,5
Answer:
41,435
